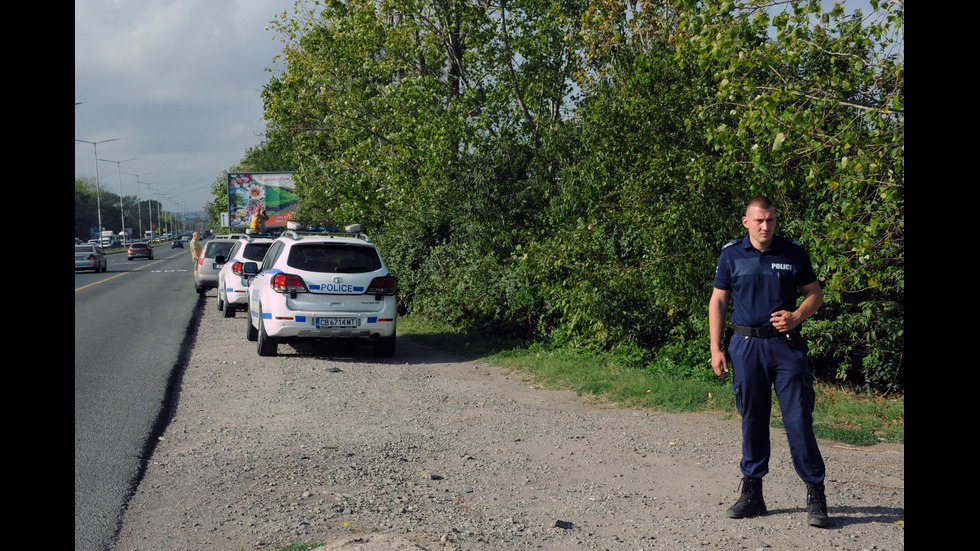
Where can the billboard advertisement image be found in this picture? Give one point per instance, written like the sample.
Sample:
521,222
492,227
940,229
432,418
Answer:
250,191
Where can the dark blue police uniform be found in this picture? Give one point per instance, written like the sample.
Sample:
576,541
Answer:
763,282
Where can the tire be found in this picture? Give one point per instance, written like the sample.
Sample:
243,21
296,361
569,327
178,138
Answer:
384,348
229,309
130,259
251,334
220,303
266,345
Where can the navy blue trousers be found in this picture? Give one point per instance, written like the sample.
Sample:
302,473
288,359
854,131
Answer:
761,365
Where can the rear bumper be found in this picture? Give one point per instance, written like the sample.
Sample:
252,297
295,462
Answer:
205,281
236,295
371,326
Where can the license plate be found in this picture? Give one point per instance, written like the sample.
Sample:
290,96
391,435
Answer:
216,266
326,323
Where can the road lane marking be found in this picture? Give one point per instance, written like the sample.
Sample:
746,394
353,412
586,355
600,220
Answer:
140,269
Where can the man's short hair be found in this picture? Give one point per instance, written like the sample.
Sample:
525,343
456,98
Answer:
762,202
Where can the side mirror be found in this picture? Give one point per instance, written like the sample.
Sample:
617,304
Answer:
220,259
250,268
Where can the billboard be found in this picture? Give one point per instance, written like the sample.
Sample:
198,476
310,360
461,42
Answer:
249,191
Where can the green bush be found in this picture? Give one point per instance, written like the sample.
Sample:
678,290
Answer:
591,217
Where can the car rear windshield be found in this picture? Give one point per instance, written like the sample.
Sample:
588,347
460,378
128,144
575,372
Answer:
215,248
84,249
256,251
138,246
334,258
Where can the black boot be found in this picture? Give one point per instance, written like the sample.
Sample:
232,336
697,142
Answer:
816,506
750,503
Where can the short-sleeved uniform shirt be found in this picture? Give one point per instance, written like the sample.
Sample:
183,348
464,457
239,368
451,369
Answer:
763,282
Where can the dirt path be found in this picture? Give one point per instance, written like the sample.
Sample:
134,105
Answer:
328,444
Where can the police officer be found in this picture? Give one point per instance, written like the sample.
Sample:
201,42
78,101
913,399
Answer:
762,275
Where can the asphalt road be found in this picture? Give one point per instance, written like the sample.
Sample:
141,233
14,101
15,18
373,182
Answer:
130,326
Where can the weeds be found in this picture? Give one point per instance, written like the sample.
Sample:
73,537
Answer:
613,378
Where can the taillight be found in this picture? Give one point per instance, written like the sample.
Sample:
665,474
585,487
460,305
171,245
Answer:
91,257
288,283
382,286
236,268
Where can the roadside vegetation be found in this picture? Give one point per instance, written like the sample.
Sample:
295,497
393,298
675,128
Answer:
563,174
302,546
91,202
617,379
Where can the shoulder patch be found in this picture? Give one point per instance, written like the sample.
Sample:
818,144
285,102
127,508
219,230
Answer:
729,244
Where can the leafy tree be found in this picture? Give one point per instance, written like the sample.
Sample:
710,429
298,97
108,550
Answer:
819,99
85,209
569,170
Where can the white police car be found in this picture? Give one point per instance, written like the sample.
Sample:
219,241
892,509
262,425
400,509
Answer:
232,283
331,284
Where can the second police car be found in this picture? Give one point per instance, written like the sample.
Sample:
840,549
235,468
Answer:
332,284
232,283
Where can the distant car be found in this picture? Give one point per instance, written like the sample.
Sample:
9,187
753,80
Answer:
232,283
329,285
139,250
178,244
206,275
89,256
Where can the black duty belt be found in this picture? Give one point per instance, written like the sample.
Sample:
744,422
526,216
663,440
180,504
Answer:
764,332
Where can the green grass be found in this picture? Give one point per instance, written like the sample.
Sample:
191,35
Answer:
301,546
840,414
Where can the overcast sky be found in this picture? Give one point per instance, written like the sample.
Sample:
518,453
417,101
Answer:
178,82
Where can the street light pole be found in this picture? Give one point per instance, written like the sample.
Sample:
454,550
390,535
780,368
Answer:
182,221
139,208
164,195
160,214
98,186
150,206
171,216
122,217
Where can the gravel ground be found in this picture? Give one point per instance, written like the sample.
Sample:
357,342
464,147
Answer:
325,443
